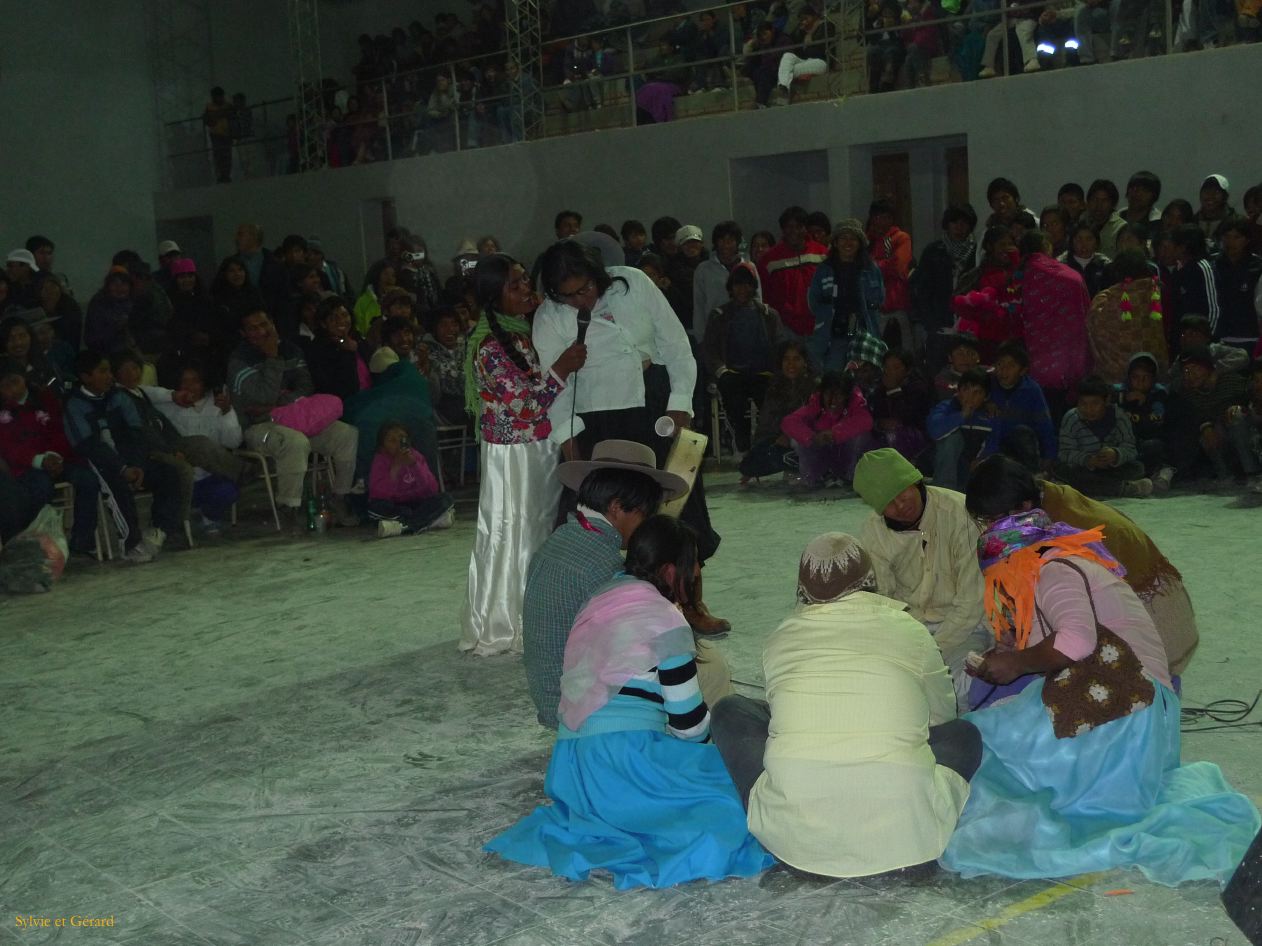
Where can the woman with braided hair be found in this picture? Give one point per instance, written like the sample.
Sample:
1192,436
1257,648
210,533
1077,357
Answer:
510,395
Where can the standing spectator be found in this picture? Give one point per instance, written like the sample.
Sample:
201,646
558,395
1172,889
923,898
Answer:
1214,206
1236,275
681,271
1054,302
891,251
739,341
709,285
1073,200
513,397
1102,201
1097,453
810,40
845,297
934,282
830,432
786,272
818,228
266,373
1143,191
1084,258
217,117
759,245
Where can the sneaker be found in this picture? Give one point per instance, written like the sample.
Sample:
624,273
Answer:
152,541
138,555
780,96
444,521
1161,482
1141,488
207,526
987,73
1033,66
388,528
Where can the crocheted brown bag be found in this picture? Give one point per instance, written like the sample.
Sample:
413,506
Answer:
1107,684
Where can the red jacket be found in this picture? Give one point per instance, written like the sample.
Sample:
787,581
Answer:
32,428
786,275
891,251
809,419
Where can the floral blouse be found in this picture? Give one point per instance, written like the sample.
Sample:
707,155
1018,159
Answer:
514,404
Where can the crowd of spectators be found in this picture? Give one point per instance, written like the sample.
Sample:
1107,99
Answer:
1112,338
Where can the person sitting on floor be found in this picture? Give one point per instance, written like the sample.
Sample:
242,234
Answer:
1080,770
963,354
845,657
900,406
104,428
265,373
1016,401
403,496
617,490
35,451
790,387
739,340
1195,333
830,432
1205,423
1144,401
1097,452
636,786
920,540
960,428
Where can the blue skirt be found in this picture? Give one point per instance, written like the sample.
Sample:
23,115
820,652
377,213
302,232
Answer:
653,810
1115,796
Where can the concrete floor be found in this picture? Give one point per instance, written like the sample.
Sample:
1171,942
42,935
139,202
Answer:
267,743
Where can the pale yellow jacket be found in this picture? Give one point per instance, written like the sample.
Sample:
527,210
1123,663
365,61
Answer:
933,568
850,786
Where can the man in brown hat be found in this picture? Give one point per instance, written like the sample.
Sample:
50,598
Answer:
618,488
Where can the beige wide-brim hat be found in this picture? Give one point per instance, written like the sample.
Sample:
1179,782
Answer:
622,455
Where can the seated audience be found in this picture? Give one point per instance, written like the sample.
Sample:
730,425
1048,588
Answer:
900,406
37,456
1236,279
1080,770
809,56
740,337
17,341
403,496
264,374
1127,318
921,543
104,429
617,490
789,388
1017,401
845,298
1193,289
196,332
1195,333
1084,257
107,325
960,428
830,431
446,343
636,786
709,286
1144,401
62,309
1098,454
847,656
1205,424
963,355
368,305
334,358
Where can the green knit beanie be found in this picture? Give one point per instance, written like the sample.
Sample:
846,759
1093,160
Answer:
883,474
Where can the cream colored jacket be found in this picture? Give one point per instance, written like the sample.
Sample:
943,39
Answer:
850,786
933,569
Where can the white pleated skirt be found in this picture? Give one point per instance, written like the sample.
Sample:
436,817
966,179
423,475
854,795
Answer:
517,507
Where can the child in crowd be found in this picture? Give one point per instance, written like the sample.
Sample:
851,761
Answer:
1016,400
447,344
830,432
963,355
1206,423
634,240
1085,258
960,427
790,387
199,414
104,428
1098,453
1144,401
403,494
900,405
1195,333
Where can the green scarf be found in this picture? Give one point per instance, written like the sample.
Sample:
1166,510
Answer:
513,325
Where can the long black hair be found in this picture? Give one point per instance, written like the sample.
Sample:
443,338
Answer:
489,279
999,486
659,541
569,259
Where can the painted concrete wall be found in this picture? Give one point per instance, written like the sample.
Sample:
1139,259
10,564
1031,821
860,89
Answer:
1174,116
79,153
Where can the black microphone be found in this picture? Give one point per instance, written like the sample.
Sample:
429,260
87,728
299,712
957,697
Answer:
584,320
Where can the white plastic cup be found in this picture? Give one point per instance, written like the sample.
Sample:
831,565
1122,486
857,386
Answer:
665,426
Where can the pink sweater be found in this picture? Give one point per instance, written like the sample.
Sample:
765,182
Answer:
809,419
410,483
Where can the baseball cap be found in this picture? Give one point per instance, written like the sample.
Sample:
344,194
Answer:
1218,180
687,233
22,256
168,246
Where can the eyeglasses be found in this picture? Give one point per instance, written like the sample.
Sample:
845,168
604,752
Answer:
577,293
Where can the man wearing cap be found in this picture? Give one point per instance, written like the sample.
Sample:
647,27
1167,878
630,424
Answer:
168,252
681,270
923,546
618,488
1205,420
21,268
856,764
1214,207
